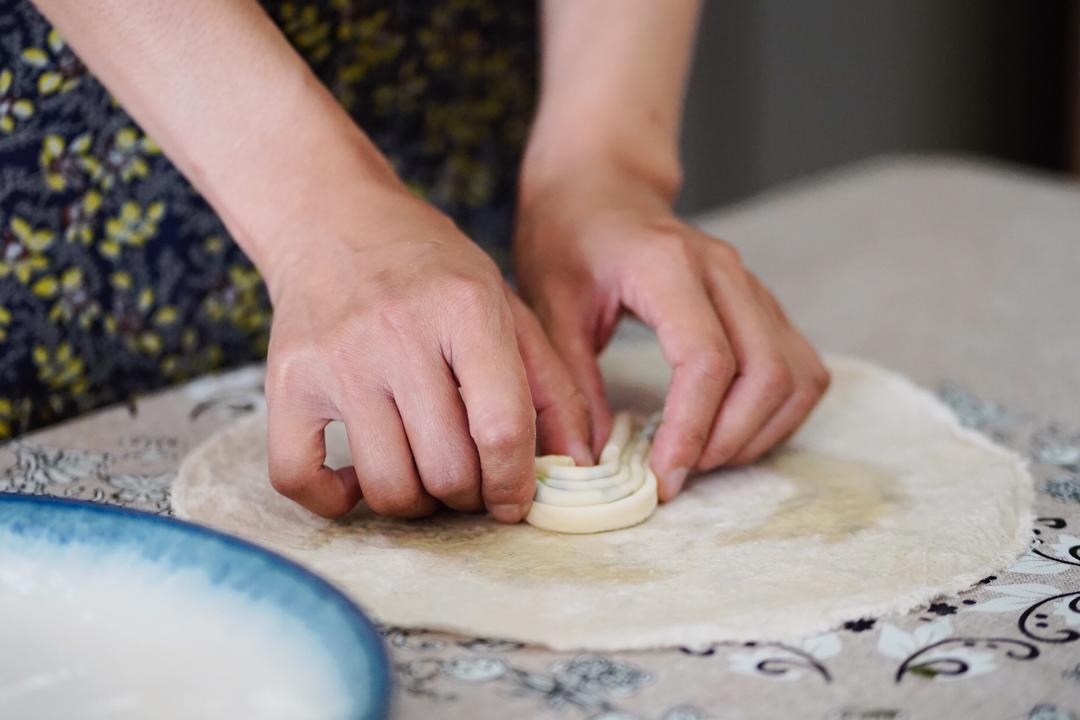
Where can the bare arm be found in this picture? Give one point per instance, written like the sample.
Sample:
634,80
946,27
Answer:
216,84
612,82
382,308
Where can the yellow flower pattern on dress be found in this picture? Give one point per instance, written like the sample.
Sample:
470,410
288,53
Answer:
125,159
5,417
79,217
61,370
309,30
116,277
12,107
62,164
22,249
137,317
132,226
5,321
60,70
13,414
73,303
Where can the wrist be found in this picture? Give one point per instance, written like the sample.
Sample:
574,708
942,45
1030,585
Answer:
571,163
287,171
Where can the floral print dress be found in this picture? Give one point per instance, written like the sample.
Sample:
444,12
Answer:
117,278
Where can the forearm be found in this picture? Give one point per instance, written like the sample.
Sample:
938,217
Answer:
612,82
231,103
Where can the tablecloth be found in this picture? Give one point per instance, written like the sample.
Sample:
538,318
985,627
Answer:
962,275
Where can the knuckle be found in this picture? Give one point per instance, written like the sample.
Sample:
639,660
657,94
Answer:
287,371
470,295
821,377
726,254
334,507
290,485
455,479
715,362
507,435
395,317
776,380
805,398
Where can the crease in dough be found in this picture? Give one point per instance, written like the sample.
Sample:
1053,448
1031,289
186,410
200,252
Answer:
618,492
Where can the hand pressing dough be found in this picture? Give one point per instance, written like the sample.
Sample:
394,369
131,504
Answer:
880,502
618,492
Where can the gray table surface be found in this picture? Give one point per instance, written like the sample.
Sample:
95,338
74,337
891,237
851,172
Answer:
965,277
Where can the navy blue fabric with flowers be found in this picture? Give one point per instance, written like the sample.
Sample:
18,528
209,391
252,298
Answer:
117,278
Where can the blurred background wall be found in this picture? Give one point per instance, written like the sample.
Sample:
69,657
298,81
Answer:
782,88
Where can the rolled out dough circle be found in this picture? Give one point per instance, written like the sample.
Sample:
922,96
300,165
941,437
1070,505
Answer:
881,502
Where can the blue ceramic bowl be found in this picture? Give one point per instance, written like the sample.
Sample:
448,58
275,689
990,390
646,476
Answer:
343,632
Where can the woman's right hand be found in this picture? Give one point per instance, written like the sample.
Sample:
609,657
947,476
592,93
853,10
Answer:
382,309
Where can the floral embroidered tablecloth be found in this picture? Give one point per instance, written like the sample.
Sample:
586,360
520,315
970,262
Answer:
1007,648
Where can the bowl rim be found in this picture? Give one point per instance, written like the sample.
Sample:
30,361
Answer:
376,645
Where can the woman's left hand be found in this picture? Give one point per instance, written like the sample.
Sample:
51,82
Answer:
603,241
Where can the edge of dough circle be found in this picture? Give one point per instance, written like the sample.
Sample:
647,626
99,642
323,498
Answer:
617,492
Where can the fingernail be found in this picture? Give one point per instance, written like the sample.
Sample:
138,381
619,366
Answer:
508,513
673,481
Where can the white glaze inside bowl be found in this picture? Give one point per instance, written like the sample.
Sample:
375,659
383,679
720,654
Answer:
91,633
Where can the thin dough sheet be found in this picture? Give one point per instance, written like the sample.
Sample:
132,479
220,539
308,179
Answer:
880,502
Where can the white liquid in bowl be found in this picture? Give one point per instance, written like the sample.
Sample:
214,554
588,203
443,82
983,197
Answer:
89,634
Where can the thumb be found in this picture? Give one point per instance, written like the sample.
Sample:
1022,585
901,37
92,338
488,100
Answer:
562,413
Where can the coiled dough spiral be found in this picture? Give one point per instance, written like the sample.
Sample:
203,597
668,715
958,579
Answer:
617,492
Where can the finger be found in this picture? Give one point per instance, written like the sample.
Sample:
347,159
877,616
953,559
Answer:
765,380
803,353
780,426
767,299
562,413
693,342
296,448
437,430
811,382
383,459
572,335
812,379
502,421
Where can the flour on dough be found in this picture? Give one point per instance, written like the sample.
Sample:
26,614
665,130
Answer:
880,502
